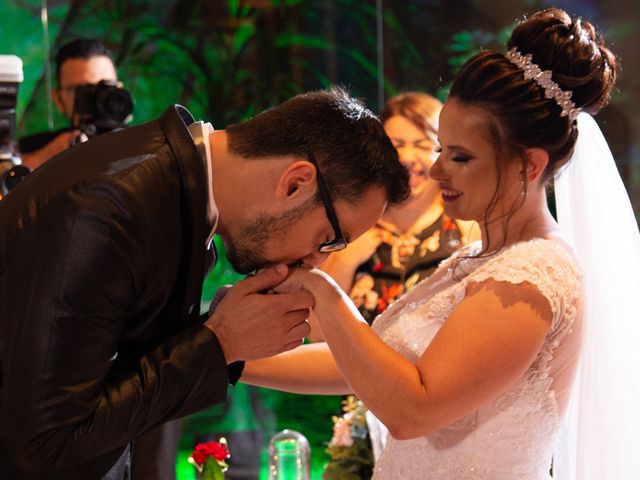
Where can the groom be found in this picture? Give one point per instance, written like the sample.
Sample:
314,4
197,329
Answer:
104,248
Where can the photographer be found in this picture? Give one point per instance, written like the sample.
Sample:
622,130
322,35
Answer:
80,63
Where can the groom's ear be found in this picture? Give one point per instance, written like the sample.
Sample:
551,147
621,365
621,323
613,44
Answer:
537,161
298,180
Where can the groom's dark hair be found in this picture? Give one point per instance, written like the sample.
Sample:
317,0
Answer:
350,146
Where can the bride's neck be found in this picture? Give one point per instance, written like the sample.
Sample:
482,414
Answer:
532,220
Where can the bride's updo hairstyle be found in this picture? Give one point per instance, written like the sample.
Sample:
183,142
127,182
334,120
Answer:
521,116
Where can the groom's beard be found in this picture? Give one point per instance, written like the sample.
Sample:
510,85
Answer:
246,253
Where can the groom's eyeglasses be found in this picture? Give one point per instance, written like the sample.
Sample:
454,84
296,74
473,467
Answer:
339,242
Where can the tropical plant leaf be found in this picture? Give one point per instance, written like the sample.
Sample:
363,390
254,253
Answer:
287,39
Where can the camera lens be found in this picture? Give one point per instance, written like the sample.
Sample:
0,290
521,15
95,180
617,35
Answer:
114,104
102,107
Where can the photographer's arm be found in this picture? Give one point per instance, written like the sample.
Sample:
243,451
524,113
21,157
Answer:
59,144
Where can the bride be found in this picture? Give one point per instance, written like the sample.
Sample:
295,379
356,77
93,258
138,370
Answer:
472,372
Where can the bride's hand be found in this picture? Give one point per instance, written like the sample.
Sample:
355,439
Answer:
315,281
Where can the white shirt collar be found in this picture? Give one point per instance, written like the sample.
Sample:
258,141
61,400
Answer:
200,132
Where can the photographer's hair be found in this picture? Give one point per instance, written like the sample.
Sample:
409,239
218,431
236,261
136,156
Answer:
421,109
84,48
349,144
520,116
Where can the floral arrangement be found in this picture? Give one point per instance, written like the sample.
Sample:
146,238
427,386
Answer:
350,447
210,460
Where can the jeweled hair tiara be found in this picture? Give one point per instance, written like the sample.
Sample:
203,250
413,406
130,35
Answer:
543,78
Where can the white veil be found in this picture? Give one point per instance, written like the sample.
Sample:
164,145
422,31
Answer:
601,435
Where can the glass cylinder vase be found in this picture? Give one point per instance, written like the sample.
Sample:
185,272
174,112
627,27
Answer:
289,456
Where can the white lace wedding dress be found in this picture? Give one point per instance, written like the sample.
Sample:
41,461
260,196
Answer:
513,436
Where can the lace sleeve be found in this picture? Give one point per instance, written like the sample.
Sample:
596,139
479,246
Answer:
546,264
468,249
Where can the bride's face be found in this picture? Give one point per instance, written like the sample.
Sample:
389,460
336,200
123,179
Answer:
467,168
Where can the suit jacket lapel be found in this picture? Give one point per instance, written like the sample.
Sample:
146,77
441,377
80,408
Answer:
193,175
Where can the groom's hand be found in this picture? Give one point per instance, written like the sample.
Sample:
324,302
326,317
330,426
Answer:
251,325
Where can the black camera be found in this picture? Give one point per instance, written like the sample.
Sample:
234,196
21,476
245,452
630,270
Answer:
101,107
11,170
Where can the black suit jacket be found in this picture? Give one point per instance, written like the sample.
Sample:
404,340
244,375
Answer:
101,265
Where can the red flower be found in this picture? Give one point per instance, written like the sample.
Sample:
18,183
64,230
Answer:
377,267
217,450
